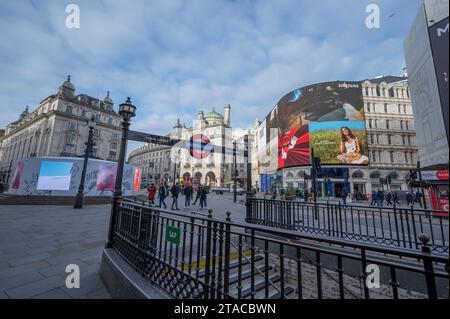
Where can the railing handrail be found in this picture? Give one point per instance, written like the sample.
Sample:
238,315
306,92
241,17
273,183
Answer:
322,203
403,252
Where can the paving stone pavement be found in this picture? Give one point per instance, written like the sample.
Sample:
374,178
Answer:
38,242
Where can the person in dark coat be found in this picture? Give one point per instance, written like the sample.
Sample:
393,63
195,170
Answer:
197,196
395,198
203,193
409,199
380,197
187,195
162,193
175,191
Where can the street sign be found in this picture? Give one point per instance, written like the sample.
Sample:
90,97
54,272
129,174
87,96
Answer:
173,235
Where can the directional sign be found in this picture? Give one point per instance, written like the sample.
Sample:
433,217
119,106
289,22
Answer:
173,235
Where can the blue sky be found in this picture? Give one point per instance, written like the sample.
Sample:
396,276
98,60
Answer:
175,58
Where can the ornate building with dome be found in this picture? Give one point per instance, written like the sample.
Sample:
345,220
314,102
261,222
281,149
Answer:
164,163
58,128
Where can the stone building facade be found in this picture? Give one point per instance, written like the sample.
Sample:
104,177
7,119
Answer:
58,128
391,141
160,162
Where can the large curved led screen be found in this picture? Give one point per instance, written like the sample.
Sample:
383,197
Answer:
328,117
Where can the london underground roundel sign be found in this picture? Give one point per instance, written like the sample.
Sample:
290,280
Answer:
200,146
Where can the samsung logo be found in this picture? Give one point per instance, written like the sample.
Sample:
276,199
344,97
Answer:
440,31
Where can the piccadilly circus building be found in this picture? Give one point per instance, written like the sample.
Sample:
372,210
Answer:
362,132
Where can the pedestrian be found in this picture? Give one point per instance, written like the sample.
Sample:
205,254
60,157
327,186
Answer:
409,199
162,193
389,199
374,198
344,195
175,191
203,193
395,198
380,197
151,192
197,197
419,198
187,195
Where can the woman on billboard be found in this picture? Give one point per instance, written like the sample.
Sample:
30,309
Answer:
351,148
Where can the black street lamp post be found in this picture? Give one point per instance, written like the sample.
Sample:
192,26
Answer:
127,111
79,197
234,171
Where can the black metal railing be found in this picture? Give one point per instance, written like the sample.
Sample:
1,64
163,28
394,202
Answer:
196,256
393,226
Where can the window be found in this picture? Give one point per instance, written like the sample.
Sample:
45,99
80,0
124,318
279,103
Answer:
387,124
379,156
373,157
391,154
110,121
97,117
371,138
69,109
403,140
407,125
401,125
83,113
114,146
376,123
367,91
389,139
409,140
404,108
399,108
411,156
406,157
385,108
368,109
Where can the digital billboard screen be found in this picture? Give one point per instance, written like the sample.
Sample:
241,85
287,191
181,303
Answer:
54,176
297,123
106,177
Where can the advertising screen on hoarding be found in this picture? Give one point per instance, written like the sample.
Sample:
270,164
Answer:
106,177
54,176
327,116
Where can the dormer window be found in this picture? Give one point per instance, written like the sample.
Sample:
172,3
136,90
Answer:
69,109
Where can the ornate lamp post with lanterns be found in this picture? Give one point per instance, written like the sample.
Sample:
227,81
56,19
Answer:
80,195
127,111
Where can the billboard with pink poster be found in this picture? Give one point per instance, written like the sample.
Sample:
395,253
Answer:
106,178
17,175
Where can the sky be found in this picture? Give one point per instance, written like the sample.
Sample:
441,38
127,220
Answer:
175,58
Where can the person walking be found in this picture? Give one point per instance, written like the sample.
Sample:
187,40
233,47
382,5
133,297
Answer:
419,198
162,193
344,195
409,199
197,197
389,199
203,193
151,192
395,198
380,197
175,191
187,195
373,202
